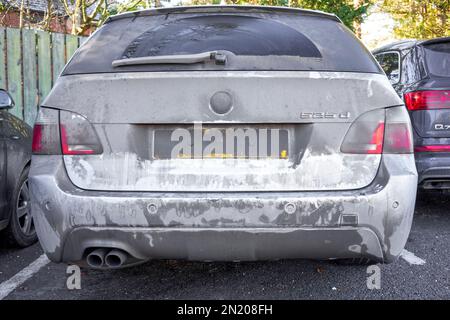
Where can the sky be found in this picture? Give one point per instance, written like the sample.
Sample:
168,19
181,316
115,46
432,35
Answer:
377,29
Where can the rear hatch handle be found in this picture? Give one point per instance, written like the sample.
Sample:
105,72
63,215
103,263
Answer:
219,58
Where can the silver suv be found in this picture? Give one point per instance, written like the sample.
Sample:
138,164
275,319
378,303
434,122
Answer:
222,133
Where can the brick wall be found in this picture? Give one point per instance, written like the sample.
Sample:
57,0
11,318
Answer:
11,18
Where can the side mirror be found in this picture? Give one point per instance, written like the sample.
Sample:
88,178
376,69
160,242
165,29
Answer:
394,77
6,101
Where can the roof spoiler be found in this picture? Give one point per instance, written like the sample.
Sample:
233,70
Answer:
221,9
436,40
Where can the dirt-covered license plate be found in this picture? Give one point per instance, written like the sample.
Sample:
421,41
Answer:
205,142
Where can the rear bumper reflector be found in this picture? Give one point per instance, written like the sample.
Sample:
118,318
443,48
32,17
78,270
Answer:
434,148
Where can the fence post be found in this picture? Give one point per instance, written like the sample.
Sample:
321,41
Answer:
30,92
2,59
44,63
71,46
14,57
58,54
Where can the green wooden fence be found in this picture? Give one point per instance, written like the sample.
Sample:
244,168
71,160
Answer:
30,62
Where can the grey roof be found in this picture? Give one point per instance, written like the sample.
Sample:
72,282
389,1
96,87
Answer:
398,45
222,8
35,5
408,44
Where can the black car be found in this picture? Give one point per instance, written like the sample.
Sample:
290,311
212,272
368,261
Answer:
420,73
16,221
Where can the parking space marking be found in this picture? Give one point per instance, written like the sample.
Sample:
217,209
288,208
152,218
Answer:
411,258
26,273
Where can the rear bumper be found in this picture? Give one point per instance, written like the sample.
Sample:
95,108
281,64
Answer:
433,170
373,222
228,244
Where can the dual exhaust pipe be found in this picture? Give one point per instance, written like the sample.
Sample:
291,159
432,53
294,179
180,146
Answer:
111,258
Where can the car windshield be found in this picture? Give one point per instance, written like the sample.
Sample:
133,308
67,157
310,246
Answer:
438,59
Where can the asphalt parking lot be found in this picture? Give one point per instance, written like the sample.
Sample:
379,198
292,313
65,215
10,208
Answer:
423,273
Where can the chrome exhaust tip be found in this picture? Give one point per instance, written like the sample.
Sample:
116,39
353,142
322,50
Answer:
116,258
96,258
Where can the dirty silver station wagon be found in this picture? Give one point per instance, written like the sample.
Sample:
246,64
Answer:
222,133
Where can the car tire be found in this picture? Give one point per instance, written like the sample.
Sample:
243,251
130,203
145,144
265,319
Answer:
20,231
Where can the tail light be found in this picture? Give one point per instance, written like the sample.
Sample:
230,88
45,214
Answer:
380,131
366,134
77,135
425,100
432,148
63,132
46,132
398,133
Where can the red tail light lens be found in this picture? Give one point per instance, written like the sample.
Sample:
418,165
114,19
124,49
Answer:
78,137
72,149
366,134
398,138
433,148
37,138
398,133
424,100
63,132
377,140
46,132
380,131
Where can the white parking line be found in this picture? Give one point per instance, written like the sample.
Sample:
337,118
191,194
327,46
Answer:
13,283
411,258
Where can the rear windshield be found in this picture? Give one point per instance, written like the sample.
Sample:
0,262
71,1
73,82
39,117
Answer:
437,57
260,41
240,35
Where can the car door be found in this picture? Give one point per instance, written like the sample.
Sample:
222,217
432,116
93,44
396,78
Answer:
17,136
3,213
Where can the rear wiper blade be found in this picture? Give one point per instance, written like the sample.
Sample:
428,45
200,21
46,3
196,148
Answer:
219,58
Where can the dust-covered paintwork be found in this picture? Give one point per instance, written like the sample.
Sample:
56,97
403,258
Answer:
15,155
258,97
225,226
317,202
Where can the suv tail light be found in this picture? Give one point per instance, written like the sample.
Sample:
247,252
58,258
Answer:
380,131
424,100
366,134
77,135
46,132
433,148
64,132
398,133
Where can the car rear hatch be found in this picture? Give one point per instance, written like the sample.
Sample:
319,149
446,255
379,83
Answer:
291,126
277,115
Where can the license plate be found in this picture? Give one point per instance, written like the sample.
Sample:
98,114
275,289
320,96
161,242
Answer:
205,142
